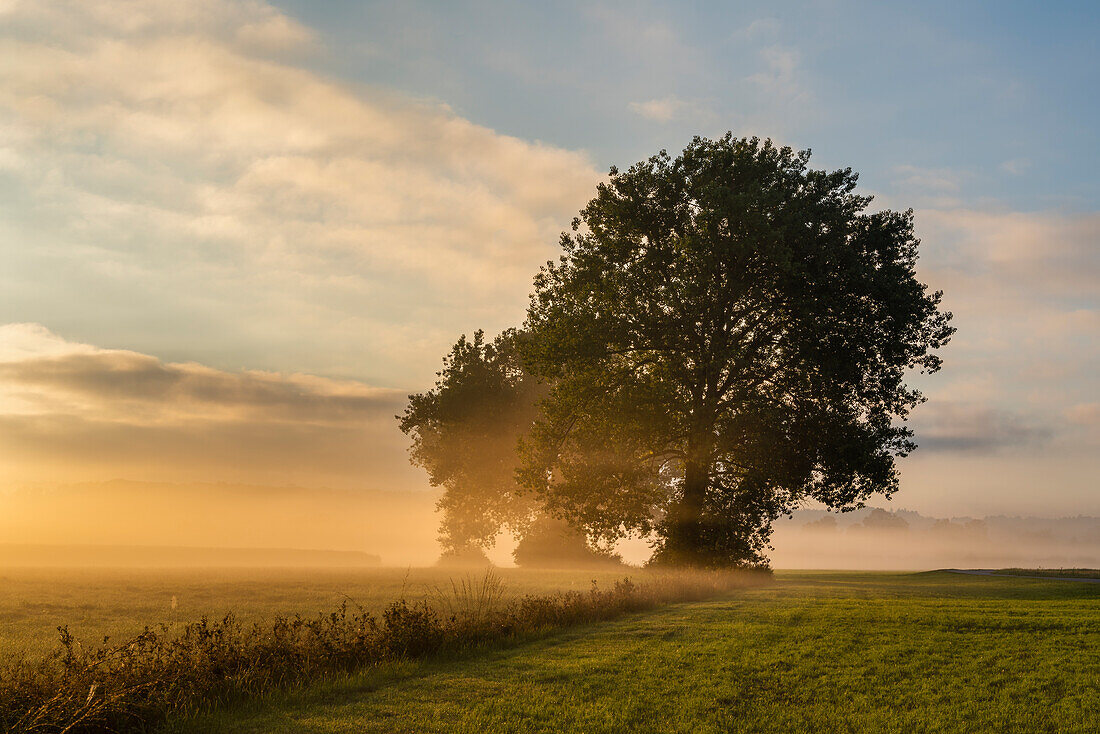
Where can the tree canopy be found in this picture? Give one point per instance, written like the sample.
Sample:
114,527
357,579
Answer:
726,334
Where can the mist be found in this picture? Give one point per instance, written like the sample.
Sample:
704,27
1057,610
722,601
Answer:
875,539
397,527
124,523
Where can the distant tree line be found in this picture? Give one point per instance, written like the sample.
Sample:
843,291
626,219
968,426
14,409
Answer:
725,335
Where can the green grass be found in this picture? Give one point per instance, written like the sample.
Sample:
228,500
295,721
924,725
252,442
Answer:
120,603
816,652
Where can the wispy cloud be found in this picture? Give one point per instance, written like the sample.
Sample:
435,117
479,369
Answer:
1015,166
172,147
1087,414
758,28
642,32
1052,253
929,180
780,74
667,109
1022,286
71,410
976,428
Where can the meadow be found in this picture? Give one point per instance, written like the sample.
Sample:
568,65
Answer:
168,672
814,652
809,652
120,603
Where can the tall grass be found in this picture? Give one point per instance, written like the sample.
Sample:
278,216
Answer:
475,600
134,687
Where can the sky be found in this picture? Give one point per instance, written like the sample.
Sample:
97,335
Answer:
234,235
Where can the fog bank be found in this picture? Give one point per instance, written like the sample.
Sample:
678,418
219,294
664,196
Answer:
228,524
877,539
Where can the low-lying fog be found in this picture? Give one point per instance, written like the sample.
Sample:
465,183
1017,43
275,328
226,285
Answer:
164,524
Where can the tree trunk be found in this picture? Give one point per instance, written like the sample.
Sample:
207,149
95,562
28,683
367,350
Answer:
684,542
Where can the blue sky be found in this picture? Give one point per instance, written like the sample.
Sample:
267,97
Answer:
998,93
234,234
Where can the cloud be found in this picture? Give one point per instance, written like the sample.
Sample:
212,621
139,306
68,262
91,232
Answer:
1015,166
175,155
667,109
943,426
1086,414
640,31
1084,418
22,342
659,110
780,74
1022,286
1049,253
70,410
931,180
758,28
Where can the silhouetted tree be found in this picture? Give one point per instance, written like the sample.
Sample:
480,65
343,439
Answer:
727,334
465,556
822,524
880,519
552,543
464,433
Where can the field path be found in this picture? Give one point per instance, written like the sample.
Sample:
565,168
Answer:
991,572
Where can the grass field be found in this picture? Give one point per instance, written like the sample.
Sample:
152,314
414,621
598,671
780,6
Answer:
120,603
815,652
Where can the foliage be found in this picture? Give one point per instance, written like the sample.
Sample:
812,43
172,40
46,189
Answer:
880,519
464,433
135,686
727,334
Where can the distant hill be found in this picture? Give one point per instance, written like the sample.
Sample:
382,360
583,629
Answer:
14,555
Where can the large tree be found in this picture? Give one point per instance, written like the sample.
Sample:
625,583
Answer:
727,334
